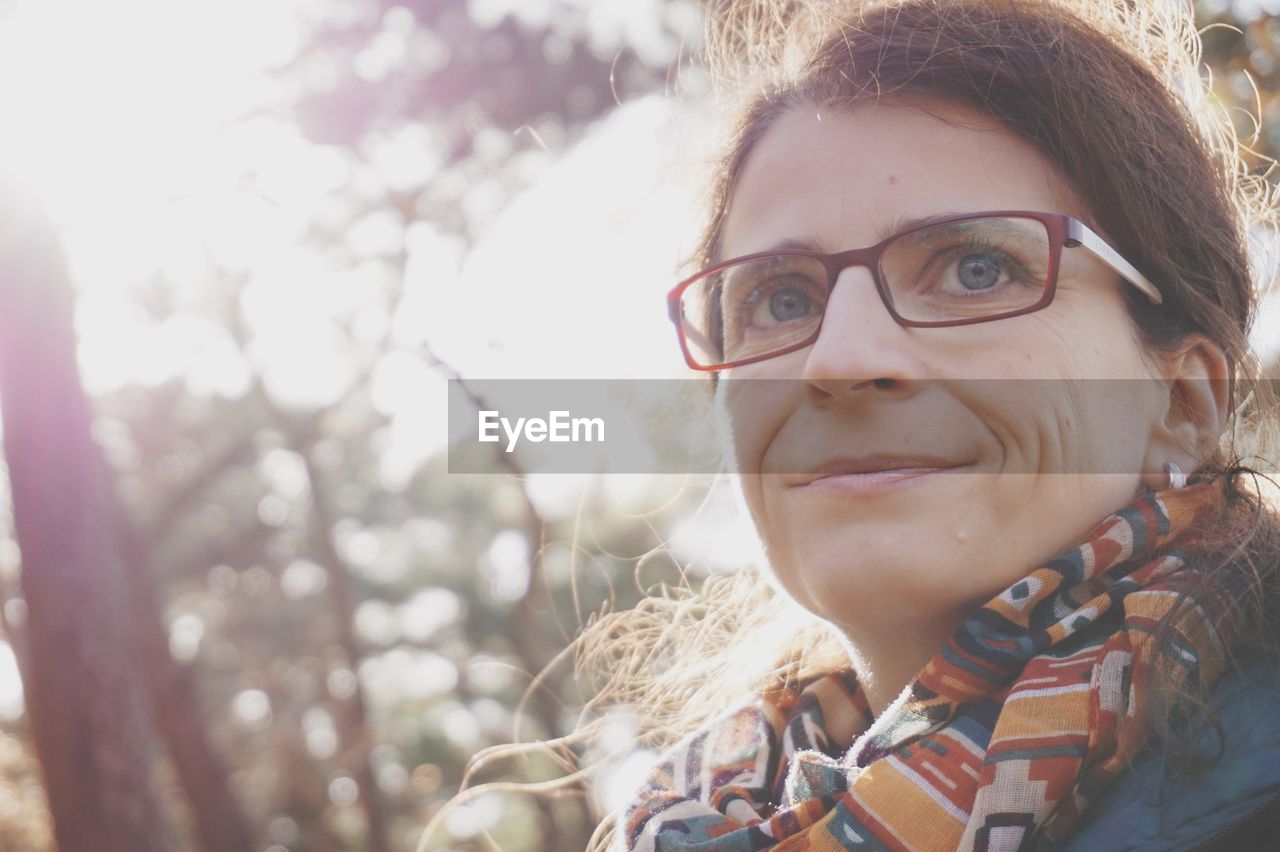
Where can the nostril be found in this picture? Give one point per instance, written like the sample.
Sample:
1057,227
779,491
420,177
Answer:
883,384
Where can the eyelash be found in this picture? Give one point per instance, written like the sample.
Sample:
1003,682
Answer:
973,245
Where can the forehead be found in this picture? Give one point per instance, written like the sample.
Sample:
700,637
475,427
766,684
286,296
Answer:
838,177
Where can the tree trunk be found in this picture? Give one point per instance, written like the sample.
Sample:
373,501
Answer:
84,698
177,711
354,721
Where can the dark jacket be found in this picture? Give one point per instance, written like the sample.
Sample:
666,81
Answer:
1232,805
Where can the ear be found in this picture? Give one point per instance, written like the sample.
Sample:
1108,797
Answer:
1197,374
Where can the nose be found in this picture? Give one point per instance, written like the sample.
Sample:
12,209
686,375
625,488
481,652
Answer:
860,345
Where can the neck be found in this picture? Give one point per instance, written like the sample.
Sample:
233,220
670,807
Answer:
886,661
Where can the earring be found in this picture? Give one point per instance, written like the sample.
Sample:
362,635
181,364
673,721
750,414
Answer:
1177,479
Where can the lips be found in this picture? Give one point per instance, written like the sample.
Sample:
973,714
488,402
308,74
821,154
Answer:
883,464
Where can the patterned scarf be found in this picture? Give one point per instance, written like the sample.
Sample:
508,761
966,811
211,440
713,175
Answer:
1000,743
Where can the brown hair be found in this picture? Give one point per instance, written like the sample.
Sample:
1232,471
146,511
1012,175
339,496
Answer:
1110,92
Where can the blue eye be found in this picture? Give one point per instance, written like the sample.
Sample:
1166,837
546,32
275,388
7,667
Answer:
978,272
789,303
781,299
771,300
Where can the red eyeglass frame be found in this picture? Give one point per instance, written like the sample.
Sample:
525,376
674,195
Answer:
1063,231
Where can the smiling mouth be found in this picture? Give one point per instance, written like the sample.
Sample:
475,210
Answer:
843,474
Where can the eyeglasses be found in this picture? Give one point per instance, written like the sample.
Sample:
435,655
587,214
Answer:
940,271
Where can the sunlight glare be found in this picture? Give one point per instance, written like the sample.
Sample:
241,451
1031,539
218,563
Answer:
11,695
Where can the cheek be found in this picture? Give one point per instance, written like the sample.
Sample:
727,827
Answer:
749,410
1072,426
1074,394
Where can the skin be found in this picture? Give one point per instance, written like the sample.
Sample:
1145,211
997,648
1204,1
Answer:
898,564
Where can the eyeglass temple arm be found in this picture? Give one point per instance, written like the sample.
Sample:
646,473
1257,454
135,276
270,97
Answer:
1079,234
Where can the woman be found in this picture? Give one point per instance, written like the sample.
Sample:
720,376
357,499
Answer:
975,297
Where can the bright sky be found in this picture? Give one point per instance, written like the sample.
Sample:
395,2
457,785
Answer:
570,281
130,137
124,120
113,110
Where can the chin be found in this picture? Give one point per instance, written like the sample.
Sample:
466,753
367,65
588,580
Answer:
849,577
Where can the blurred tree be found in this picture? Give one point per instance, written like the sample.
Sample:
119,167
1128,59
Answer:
87,710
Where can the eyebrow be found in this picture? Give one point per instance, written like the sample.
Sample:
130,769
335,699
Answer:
902,223
795,243
882,232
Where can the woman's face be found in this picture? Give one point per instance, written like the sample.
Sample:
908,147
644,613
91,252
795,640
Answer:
1014,458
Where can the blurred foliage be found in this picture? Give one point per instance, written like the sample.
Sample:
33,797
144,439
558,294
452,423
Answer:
254,511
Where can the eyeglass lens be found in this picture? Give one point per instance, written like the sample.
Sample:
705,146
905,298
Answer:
960,270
